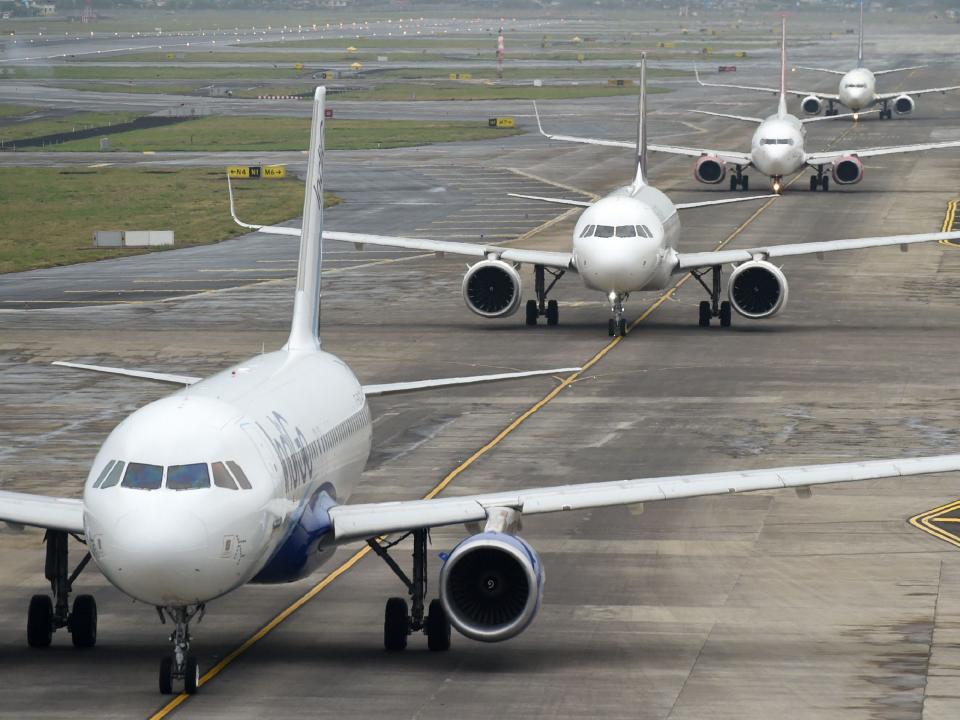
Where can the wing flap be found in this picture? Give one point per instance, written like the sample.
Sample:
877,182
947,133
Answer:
52,513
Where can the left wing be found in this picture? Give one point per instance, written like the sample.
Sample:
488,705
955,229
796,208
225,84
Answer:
772,90
877,73
925,91
692,261
678,206
820,69
402,387
52,513
823,158
351,522
143,374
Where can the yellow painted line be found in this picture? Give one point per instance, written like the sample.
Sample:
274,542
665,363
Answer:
451,476
924,521
949,219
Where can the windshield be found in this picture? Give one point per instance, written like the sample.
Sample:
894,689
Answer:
188,477
142,477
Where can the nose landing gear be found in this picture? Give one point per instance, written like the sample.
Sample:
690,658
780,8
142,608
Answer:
617,325
182,665
47,615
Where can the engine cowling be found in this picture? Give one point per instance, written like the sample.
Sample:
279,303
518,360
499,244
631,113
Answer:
812,105
904,105
848,170
491,586
710,169
492,289
757,289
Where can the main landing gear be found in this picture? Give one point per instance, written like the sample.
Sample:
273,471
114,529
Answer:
820,180
831,110
741,180
399,621
617,325
713,307
46,614
181,665
540,306
886,113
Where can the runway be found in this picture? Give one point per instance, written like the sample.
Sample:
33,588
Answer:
747,606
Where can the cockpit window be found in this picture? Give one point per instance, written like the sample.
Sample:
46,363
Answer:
103,473
776,141
140,476
626,231
587,231
239,475
222,478
113,477
603,231
188,477
855,85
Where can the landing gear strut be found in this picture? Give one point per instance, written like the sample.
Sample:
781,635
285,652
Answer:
617,325
540,306
820,180
741,180
831,110
47,615
182,665
399,622
713,307
886,113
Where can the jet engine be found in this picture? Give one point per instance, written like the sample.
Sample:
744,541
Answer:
904,105
710,169
757,289
848,170
491,289
812,105
491,586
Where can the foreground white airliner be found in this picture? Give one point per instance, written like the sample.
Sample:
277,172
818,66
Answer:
777,149
857,89
625,242
244,477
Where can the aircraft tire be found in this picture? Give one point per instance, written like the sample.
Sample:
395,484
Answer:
622,328
191,676
725,314
40,621
83,621
611,327
705,313
396,624
553,312
744,183
532,312
825,183
166,676
438,627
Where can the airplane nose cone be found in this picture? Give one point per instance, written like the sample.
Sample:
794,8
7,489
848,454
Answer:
159,558
620,264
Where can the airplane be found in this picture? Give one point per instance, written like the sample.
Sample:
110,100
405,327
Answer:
857,89
776,150
244,477
623,243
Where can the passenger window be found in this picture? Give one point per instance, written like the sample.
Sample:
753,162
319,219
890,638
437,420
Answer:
140,476
188,477
103,473
222,478
626,231
238,474
604,231
114,477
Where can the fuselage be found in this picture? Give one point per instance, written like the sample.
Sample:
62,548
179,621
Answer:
777,146
626,241
858,89
228,481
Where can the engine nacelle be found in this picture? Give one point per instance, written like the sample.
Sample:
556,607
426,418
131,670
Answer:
812,105
904,105
491,289
710,169
491,586
757,289
848,170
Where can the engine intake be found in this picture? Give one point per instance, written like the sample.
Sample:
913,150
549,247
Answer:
491,289
757,289
848,170
812,105
710,169
491,586
904,105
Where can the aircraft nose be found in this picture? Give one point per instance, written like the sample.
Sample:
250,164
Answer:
622,264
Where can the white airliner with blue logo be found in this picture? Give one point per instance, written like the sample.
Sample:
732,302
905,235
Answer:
244,477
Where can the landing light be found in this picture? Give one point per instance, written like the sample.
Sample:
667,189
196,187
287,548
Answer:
856,117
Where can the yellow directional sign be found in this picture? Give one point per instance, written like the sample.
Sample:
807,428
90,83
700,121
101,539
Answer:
238,171
461,76
501,122
942,522
298,66
274,171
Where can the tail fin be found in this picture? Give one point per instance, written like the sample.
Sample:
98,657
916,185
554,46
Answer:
640,176
782,105
304,329
860,39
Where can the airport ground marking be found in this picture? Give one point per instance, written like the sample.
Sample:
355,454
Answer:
925,521
949,219
566,382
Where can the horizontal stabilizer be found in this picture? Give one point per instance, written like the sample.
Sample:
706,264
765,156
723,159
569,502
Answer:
412,386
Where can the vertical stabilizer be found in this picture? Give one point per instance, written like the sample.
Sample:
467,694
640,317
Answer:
304,330
782,104
640,176
860,39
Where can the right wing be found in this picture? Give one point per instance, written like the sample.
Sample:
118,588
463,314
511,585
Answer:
52,513
351,522
774,91
924,91
826,70
745,118
822,158
877,73
414,385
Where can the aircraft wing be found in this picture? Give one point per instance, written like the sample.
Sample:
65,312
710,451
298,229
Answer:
692,261
351,522
745,118
924,91
824,158
728,156
819,69
772,90
678,206
142,374
877,73
402,387
52,513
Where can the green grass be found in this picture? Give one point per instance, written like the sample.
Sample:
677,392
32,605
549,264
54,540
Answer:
131,86
103,71
13,111
574,72
50,215
67,123
471,91
288,133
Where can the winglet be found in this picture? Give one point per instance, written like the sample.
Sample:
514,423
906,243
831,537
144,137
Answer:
536,112
233,208
696,73
304,329
640,176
